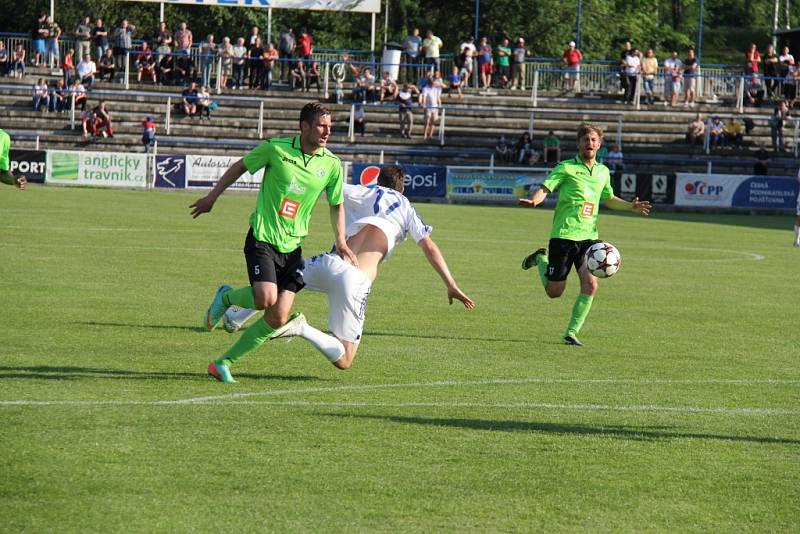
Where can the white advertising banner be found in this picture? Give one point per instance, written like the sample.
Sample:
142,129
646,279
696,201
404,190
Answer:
358,6
105,169
735,190
205,172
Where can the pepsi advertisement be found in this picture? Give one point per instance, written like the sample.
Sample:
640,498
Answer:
422,181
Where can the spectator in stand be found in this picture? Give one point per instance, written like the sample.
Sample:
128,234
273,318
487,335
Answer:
504,64
189,100
297,76
83,38
225,51
411,49
632,65
163,37
387,87
405,104
208,56
286,47
251,42
486,62
790,85
38,36
256,64
102,121
770,62
87,120
572,58
456,82
166,69
761,164
203,103
627,49
53,55
148,133
690,69
552,148
254,34
305,45
359,120
503,151
41,95
268,59
5,60
18,62
430,47
776,122
671,64
123,42
675,79
86,70
526,153
696,131
78,92
145,64
615,161
786,58
752,59
107,66
100,38
431,98
68,66
466,57
239,66
183,39
734,132
717,134
313,76
518,56
58,97
649,72
755,91
184,69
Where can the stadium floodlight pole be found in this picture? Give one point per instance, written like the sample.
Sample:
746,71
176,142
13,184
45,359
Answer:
578,18
477,18
775,23
53,9
161,11
700,33
269,25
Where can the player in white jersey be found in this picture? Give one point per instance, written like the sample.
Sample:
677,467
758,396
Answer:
378,219
797,212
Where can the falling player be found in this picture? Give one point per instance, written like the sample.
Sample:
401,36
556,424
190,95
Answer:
377,220
582,183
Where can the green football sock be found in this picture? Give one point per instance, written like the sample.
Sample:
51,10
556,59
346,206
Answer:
579,312
242,297
252,338
541,265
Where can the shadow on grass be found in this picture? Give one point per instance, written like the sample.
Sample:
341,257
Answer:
150,326
621,432
45,372
455,337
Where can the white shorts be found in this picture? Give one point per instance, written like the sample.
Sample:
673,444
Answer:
347,289
798,204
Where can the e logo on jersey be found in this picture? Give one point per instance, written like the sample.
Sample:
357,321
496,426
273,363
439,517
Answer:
289,208
587,210
369,176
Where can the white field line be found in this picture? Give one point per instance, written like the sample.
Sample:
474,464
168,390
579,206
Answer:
239,398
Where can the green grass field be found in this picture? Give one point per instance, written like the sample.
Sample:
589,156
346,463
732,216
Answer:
682,413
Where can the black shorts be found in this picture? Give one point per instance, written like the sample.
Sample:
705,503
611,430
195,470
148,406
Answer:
562,254
266,264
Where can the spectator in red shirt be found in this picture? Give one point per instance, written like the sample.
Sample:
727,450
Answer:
572,59
304,45
752,59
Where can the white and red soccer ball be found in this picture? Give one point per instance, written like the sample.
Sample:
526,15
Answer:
603,260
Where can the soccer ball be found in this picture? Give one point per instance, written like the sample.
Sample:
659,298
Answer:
603,260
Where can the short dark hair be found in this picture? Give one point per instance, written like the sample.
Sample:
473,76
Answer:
586,128
392,176
312,110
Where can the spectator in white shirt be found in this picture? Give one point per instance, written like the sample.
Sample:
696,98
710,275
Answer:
86,70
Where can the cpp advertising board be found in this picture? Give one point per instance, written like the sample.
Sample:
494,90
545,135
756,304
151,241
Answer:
421,181
735,191
487,185
205,172
104,169
29,163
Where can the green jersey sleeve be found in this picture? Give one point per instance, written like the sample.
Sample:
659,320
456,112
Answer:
555,178
259,157
334,187
607,191
5,148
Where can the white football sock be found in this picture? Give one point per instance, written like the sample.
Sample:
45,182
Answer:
797,235
329,346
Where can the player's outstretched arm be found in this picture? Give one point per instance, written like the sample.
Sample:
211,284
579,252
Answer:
536,199
435,258
618,204
205,204
338,224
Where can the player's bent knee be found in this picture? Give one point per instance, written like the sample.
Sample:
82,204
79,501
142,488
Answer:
346,360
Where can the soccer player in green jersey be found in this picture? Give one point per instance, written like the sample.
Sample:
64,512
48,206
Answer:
5,163
296,172
582,183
